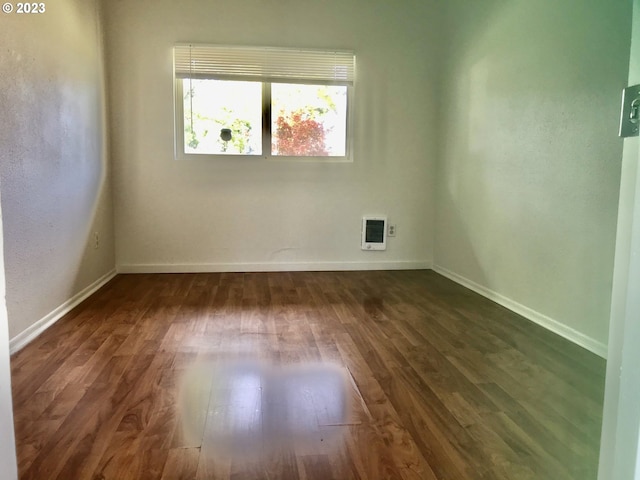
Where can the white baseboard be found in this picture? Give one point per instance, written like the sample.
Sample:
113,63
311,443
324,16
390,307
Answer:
26,336
549,323
273,267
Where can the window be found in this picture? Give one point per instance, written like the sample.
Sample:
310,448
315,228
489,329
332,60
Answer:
269,102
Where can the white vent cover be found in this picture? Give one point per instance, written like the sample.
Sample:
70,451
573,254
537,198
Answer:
374,232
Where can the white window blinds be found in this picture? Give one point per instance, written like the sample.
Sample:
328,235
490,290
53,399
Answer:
264,64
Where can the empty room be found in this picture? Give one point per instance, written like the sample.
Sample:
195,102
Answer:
320,239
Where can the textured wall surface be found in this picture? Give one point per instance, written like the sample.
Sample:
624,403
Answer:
530,160
53,164
228,213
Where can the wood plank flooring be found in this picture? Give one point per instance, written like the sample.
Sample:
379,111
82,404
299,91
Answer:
325,375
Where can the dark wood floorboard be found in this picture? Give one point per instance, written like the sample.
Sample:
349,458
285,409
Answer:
324,375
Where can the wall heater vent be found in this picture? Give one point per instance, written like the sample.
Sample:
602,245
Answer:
374,232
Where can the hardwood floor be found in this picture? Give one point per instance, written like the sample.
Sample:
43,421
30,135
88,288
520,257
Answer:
363,375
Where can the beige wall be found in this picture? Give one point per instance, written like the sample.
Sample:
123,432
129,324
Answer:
528,179
244,215
53,165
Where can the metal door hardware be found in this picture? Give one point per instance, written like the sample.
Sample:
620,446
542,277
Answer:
630,116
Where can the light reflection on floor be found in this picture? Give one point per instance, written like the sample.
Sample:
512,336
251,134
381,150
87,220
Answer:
251,408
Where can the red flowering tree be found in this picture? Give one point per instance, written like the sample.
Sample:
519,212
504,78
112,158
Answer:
299,134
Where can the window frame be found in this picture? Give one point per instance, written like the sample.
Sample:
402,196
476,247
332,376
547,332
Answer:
266,117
